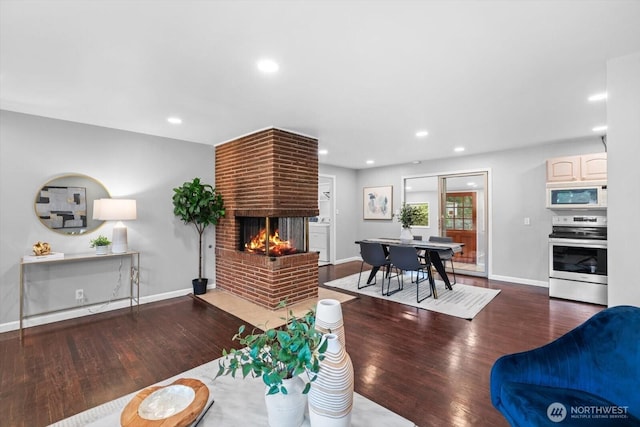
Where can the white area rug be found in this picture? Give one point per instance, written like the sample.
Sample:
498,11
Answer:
463,301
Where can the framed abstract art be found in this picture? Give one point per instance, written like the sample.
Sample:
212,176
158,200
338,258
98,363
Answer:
378,202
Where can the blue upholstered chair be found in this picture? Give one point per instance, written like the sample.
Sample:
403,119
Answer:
590,376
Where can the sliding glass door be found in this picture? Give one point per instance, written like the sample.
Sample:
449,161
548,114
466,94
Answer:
457,204
463,217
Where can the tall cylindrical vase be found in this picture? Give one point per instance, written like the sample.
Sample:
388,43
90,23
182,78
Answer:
329,319
331,394
287,410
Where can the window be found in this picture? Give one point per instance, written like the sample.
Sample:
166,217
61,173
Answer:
424,214
460,212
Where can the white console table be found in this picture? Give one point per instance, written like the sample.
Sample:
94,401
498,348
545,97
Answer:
134,279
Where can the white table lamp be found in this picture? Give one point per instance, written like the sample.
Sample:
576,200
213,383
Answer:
116,210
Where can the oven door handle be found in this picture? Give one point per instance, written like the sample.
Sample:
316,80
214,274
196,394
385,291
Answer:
584,243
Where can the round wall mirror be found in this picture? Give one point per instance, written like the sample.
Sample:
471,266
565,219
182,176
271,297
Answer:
65,204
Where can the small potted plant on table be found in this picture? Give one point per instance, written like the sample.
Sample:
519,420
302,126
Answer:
101,243
409,215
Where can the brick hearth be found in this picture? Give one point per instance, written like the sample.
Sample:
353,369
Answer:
270,173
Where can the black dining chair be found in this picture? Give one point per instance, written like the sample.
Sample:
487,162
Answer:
445,254
405,258
375,255
422,254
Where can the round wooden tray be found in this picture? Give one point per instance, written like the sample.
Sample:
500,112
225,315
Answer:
130,416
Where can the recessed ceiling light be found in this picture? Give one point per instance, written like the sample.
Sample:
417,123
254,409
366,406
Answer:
370,162
323,152
599,128
458,149
416,162
268,66
422,133
174,120
598,97
408,187
471,184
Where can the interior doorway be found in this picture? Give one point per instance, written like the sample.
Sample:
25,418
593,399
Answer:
322,228
457,204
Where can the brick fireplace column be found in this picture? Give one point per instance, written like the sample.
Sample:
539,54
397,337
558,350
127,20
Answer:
270,173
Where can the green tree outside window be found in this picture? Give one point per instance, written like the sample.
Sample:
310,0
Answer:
423,218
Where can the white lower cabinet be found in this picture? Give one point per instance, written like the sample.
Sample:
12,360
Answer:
319,241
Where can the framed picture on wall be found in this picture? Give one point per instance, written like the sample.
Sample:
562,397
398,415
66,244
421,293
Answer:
62,207
377,202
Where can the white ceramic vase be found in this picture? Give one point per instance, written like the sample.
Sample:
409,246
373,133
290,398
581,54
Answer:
102,250
287,410
329,319
331,394
405,235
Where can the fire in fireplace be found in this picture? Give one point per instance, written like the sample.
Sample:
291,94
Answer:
273,236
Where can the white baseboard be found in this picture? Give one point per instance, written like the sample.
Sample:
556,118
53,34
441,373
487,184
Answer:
84,311
74,313
520,280
345,260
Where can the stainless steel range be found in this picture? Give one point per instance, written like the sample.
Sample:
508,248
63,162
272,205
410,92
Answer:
578,258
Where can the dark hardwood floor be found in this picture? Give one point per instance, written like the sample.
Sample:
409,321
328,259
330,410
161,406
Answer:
430,368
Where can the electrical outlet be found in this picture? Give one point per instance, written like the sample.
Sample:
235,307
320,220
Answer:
79,295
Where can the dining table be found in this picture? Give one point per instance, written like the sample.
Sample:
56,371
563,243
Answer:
431,249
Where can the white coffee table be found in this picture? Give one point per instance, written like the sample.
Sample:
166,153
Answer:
237,402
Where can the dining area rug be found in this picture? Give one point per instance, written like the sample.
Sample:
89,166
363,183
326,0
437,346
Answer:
463,301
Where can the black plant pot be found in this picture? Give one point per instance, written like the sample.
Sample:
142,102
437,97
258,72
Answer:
199,286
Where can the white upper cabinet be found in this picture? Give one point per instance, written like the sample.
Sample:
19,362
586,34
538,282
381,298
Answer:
588,167
593,167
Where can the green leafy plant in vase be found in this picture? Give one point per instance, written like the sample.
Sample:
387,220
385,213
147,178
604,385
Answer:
279,357
101,243
409,215
201,205
277,354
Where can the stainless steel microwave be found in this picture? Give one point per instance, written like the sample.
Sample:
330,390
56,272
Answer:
577,195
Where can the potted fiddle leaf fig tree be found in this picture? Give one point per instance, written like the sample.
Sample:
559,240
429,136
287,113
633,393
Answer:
201,205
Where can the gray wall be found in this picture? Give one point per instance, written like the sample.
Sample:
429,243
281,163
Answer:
34,149
518,253
623,119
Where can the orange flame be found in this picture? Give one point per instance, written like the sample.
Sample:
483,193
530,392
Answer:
277,246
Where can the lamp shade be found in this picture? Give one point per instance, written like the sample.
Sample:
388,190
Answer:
97,203
114,209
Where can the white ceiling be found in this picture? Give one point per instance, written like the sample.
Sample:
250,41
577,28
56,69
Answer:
362,76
